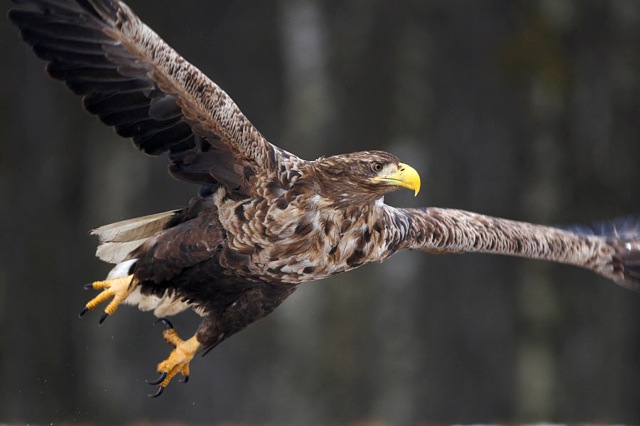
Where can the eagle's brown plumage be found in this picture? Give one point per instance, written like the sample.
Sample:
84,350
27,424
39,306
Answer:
265,220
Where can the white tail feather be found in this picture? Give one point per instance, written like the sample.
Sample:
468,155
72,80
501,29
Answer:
117,252
118,240
133,229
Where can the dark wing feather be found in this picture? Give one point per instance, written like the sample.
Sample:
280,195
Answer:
624,234
136,83
622,228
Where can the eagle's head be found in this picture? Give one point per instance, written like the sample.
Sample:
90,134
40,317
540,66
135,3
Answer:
366,176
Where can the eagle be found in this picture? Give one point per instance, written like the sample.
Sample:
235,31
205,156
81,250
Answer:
264,221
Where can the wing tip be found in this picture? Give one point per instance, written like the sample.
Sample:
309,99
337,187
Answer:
623,234
628,252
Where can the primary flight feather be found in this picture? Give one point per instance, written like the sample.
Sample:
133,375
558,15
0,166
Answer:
265,220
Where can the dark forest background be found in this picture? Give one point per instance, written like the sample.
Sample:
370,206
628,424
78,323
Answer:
524,109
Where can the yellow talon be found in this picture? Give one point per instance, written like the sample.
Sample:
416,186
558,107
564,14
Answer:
118,288
178,360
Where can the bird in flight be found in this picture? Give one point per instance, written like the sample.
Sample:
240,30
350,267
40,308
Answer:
264,220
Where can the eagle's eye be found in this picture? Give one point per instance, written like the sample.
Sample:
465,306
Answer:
376,167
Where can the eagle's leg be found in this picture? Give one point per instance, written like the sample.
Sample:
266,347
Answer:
234,311
117,288
179,359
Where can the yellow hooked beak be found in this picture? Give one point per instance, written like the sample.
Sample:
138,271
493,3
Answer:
404,176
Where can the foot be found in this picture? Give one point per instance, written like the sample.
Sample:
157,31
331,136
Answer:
178,361
118,288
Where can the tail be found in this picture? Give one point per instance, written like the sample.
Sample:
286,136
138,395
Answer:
119,239
623,234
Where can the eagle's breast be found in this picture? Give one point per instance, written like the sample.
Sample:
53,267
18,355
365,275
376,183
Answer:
300,240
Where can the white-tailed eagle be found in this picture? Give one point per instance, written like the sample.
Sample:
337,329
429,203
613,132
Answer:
264,220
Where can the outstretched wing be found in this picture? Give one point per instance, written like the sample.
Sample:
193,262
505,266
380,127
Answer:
611,249
132,80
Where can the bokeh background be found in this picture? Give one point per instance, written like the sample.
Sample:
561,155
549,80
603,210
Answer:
526,109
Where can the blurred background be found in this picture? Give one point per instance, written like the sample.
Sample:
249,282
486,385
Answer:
525,109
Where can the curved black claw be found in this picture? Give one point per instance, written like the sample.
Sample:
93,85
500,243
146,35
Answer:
83,311
102,318
157,394
157,381
164,321
88,286
185,379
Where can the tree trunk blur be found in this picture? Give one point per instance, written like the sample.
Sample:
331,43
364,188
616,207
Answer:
525,109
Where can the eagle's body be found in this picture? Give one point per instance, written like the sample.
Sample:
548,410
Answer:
265,220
